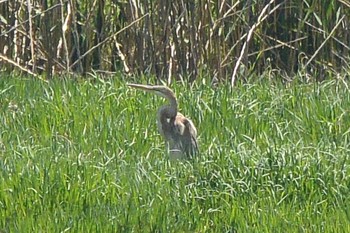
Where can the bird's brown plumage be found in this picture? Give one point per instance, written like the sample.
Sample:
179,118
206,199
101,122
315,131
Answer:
178,131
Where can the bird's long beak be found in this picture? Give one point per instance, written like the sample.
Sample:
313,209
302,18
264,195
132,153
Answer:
142,87
158,90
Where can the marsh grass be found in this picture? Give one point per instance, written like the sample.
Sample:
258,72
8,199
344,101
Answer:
85,156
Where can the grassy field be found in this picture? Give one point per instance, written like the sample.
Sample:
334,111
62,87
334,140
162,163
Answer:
85,156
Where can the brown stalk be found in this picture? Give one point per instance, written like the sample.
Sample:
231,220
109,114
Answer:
65,28
31,35
75,36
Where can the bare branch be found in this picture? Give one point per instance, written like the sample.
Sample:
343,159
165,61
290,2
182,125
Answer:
12,62
261,18
325,41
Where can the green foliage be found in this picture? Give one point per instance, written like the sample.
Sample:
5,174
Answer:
85,156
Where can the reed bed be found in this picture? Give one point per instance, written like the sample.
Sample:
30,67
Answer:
228,39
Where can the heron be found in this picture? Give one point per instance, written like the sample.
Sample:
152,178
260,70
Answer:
179,132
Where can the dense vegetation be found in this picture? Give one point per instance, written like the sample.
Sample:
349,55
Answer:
85,156
228,39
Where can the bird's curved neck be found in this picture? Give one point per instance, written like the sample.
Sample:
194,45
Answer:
173,103
169,110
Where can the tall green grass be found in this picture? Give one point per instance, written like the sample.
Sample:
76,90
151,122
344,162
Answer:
85,156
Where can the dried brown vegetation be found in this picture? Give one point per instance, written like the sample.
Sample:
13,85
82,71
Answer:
226,39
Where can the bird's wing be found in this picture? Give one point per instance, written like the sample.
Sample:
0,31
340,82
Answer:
185,135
